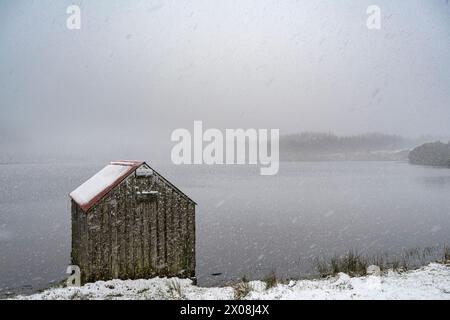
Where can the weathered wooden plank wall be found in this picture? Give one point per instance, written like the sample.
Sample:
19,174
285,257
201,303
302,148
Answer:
130,234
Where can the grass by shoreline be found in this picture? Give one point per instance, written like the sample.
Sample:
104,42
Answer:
355,264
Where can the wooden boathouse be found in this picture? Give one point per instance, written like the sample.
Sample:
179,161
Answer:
129,222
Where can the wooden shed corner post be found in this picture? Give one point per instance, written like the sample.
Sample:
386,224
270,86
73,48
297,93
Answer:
192,240
78,247
75,247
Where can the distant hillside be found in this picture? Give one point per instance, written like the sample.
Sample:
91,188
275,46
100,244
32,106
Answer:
311,146
431,154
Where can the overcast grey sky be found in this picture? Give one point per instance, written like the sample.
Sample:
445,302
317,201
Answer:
139,69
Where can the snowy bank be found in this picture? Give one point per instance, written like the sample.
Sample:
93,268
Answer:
430,282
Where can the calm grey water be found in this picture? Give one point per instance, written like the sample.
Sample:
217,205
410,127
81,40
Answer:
247,224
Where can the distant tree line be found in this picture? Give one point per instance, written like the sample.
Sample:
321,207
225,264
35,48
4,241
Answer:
313,142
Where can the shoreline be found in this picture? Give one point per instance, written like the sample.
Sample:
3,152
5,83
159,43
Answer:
429,282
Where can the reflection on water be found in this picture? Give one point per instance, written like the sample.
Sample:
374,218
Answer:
247,224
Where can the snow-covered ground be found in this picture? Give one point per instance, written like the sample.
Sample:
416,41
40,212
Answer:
430,282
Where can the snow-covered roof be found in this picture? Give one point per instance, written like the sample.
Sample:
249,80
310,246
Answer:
94,189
